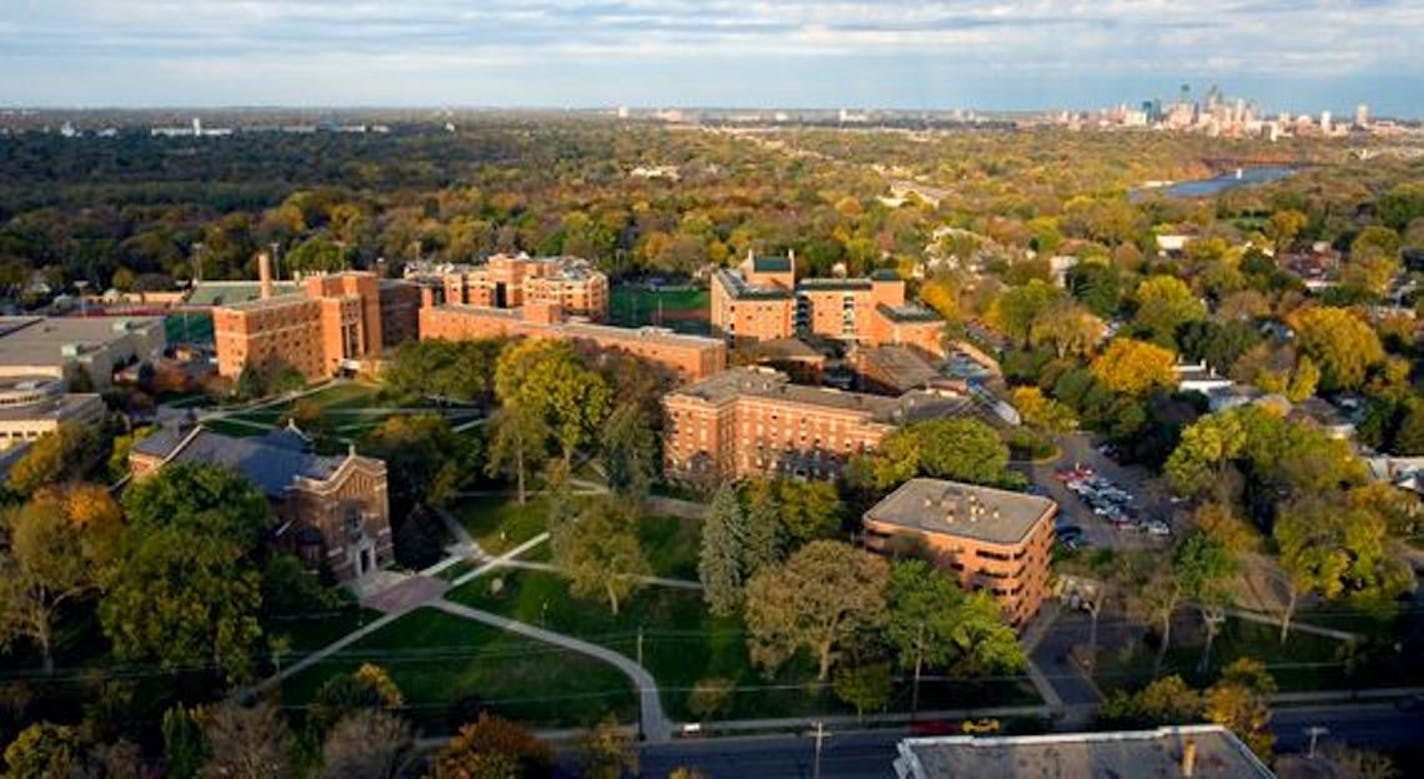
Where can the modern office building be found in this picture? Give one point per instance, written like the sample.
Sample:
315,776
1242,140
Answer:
89,349
332,511
332,323
1187,751
993,540
31,406
762,301
754,422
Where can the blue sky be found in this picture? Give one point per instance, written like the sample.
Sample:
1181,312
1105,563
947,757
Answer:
1302,55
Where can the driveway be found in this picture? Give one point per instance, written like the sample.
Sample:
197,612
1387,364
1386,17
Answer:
1150,494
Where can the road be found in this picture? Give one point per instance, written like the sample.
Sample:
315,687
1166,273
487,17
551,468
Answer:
870,753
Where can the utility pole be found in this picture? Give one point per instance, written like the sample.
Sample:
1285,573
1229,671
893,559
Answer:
919,661
820,735
640,645
276,265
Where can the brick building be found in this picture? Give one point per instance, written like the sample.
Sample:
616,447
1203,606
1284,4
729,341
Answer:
761,301
993,540
333,322
32,406
333,512
754,421
503,281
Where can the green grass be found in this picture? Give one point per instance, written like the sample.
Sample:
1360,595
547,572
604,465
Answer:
498,523
448,668
684,310
684,644
311,632
671,544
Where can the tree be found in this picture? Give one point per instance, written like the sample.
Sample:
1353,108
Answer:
764,539
1165,303
246,742
1043,412
459,371
600,554
1165,701
61,456
1206,569
607,752
1336,549
1240,701
45,751
209,499
1283,226
816,600
183,746
58,542
518,444
1135,367
426,460
488,744
864,686
546,375
961,449
1342,346
1066,327
719,566
368,688
808,509
367,744
628,450
934,623
1016,308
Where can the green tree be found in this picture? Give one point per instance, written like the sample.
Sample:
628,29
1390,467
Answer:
817,600
1206,570
961,449
426,461
519,444
719,566
1165,303
628,451
1165,701
210,499
45,751
764,541
600,554
64,455
864,685
1016,308
934,623
459,371
547,376
808,509
183,748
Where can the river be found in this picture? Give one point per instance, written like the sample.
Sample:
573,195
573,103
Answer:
1242,177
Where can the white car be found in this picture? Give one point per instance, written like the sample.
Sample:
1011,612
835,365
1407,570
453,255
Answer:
1158,528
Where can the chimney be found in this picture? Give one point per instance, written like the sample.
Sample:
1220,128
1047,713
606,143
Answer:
1189,758
264,274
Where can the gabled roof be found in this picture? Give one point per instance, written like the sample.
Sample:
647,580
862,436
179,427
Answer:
271,462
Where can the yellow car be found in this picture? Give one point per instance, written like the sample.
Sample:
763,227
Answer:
975,726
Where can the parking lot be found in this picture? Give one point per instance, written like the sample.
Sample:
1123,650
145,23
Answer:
1132,488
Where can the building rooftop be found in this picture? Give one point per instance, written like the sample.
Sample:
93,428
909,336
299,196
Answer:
658,334
222,293
833,285
901,367
34,340
954,508
1215,754
738,287
771,264
793,349
272,461
771,384
907,312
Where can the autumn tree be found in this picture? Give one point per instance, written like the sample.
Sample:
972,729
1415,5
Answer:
864,685
600,554
546,376
1240,701
368,688
607,753
1283,226
367,744
1042,411
1165,701
1135,367
1165,303
1016,308
1341,345
1067,328
817,600
481,747
246,742
59,541
54,458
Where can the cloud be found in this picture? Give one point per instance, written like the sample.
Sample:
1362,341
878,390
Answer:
351,50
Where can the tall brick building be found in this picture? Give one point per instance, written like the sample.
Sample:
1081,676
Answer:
761,301
331,323
503,281
991,539
754,421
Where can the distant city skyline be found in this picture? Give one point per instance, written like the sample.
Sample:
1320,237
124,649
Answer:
1297,56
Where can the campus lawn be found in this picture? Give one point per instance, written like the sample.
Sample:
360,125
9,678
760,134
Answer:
684,644
498,523
310,632
1304,662
449,668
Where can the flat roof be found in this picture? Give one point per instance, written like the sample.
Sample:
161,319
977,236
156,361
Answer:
658,334
1144,753
36,340
738,287
959,509
908,312
901,367
221,293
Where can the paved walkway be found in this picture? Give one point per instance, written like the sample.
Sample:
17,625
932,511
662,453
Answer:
656,727
675,507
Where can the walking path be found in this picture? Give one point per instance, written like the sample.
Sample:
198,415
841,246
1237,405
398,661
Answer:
675,507
655,725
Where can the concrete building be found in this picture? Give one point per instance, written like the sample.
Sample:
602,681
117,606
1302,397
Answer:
333,512
687,357
70,347
761,301
991,539
1192,751
31,406
754,422
503,281
334,322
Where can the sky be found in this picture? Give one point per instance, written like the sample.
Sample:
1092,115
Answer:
1298,55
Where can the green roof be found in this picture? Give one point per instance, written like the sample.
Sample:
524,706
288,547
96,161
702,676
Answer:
771,264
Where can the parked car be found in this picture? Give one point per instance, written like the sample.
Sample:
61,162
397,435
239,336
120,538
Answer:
980,726
1158,528
934,727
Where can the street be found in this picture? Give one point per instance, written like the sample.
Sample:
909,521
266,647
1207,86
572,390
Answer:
870,753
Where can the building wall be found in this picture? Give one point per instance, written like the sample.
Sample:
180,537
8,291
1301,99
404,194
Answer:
350,511
47,418
1015,574
511,282
759,436
840,314
400,314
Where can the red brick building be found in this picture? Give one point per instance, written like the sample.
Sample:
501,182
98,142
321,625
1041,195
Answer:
992,540
754,421
503,281
761,301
